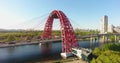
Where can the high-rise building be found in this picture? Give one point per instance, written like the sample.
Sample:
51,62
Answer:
104,24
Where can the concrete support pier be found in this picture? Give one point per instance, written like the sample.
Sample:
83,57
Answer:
115,38
65,55
91,42
103,39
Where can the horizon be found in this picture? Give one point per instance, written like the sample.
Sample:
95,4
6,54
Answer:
85,14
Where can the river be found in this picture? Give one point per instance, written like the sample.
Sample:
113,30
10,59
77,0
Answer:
34,52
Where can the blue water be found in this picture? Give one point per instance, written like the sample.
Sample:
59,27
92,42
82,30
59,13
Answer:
26,53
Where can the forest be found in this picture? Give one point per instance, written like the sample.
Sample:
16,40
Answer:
107,53
34,35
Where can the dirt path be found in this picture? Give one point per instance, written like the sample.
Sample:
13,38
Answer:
63,61
76,61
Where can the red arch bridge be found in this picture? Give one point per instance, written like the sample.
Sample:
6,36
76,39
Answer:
68,37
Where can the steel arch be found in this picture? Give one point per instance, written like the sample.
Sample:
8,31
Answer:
67,32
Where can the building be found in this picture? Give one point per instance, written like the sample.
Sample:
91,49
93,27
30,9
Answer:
104,24
105,28
110,28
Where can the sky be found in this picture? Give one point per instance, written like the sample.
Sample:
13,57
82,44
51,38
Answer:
84,14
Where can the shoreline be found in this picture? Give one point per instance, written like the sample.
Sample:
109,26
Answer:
73,59
5,45
22,43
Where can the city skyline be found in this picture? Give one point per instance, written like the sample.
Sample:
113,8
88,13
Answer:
86,14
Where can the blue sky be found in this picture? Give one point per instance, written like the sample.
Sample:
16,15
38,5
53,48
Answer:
82,13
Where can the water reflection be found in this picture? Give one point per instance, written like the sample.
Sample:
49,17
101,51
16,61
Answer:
46,48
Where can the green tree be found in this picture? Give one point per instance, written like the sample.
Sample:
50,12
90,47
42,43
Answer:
93,60
97,51
11,38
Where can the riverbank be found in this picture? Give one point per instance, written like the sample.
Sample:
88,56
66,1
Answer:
28,42
3,45
68,60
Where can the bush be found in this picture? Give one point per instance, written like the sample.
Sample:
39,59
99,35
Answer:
96,51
